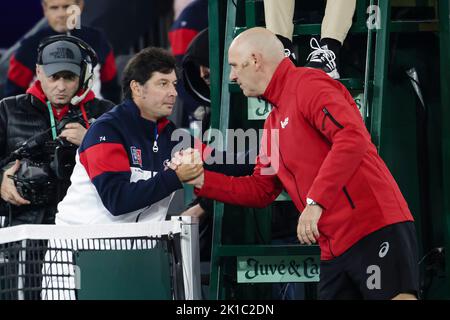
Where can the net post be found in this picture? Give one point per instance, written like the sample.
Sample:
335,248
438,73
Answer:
190,252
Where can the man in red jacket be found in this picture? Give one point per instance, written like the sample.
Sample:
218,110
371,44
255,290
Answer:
317,148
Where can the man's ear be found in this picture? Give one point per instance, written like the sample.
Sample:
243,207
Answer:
39,72
256,59
44,7
135,88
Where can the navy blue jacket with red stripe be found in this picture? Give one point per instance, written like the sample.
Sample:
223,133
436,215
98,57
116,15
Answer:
192,20
22,66
119,177
129,178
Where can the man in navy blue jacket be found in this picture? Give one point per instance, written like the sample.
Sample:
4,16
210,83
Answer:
21,72
122,170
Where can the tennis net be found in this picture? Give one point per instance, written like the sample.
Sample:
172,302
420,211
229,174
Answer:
155,260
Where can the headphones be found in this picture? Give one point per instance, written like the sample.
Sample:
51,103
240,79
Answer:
88,63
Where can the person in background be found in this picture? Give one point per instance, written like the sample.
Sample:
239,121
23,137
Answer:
45,109
192,20
179,6
48,124
21,72
336,23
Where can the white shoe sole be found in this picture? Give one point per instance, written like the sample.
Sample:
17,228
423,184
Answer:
334,74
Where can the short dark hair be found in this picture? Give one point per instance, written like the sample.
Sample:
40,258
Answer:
142,66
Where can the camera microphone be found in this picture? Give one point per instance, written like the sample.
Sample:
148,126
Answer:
25,147
32,143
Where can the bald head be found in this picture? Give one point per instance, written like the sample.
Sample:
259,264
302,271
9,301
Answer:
262,41
254,56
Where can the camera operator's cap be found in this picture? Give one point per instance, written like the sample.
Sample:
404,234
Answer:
61,56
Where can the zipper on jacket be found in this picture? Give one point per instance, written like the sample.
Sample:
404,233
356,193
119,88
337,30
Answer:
295,181
329,115
352,204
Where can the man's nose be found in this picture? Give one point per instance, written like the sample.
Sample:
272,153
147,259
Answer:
62,13
61,84
204,73
173,90
233,76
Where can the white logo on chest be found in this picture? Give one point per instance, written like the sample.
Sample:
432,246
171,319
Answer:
284,123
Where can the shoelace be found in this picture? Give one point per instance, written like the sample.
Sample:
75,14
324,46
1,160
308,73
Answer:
320,53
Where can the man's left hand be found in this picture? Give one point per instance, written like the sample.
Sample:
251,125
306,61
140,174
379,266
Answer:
74,133
195,212
307,230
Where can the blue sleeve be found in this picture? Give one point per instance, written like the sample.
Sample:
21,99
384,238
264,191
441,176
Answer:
107,163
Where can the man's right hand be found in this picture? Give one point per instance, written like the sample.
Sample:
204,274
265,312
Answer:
8,189
187,165
74,133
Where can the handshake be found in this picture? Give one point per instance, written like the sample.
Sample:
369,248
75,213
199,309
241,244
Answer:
188,166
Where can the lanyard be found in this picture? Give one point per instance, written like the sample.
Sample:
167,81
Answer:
52,120
155,144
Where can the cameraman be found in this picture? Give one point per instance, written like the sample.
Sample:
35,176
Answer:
22,63
63,89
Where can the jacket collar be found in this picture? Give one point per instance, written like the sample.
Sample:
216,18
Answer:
274,91
136,113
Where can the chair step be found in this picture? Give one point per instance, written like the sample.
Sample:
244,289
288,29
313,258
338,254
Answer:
415,26
266,250
314,29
